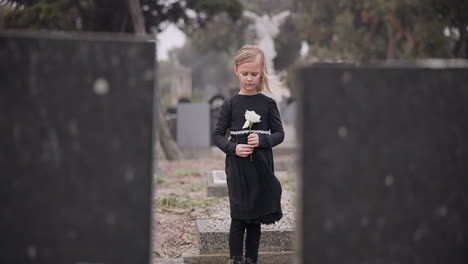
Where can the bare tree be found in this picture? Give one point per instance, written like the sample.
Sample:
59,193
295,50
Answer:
167,143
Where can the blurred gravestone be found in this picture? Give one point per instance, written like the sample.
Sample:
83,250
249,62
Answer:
76,156
384,153
288,117
193,125
215,105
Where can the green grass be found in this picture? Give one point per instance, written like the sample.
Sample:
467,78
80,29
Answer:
164,180
160,180
177,201
180,172
194,187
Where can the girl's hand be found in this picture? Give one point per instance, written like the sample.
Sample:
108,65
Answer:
244,150
253,140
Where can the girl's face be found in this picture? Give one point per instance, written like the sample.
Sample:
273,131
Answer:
249,74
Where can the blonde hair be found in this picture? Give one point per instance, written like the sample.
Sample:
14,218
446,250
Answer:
250,53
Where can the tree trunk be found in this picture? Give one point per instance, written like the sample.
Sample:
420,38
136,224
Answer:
392,46
461,45
170,148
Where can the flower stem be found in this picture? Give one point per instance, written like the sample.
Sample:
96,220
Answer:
250,132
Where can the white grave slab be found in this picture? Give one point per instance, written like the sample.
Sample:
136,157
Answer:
219,177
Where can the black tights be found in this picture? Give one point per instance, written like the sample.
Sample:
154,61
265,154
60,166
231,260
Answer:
236,239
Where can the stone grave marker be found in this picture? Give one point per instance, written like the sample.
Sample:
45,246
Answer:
193,125
76,118
217,183
384,151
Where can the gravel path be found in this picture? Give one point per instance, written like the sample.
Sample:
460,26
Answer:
221,217
174,229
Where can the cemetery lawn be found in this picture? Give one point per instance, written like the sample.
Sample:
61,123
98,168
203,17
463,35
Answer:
180,197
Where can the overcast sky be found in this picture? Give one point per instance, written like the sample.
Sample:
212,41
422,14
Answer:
173,37
170,38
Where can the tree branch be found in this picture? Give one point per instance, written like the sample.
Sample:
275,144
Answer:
137,17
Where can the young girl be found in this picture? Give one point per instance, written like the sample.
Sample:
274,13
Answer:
254,191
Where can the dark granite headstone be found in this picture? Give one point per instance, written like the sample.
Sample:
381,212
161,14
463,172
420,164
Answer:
76,148
215,105
384,158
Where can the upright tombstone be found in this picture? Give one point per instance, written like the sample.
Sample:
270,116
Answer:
288,118
193,125
215,105
384,153
76,117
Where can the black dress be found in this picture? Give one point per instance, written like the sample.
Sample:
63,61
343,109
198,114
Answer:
254,191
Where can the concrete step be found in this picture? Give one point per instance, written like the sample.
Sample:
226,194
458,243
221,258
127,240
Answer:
213,237
217,185
168,261
283,257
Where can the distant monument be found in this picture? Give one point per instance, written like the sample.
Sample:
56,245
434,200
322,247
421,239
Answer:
181,83
267,28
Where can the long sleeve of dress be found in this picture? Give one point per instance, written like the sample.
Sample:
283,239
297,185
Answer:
222,124
276,129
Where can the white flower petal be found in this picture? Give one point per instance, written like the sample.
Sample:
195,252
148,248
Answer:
252,116
246,124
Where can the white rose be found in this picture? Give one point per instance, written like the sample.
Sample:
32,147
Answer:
251,117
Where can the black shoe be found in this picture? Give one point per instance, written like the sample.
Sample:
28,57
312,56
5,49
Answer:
249,261
236,260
